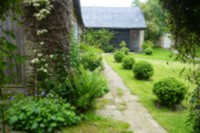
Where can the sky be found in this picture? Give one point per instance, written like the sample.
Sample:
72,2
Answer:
108,3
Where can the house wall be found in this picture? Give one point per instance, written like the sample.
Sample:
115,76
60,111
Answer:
133,38
58,24
120,35
141,41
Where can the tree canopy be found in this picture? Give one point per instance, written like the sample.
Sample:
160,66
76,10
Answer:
154,17
183,23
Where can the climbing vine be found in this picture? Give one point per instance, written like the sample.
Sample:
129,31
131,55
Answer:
42,9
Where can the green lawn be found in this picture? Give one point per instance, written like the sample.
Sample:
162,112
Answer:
97,124
157,52
173,121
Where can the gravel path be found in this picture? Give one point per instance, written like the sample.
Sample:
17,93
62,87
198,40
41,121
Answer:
120,104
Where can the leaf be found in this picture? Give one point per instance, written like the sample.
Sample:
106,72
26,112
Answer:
34,126
13,119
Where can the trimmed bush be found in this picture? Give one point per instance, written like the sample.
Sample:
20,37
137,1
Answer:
169,91
127,62
143,70
147,44
124,48
118,56
40,115
126,51
148,51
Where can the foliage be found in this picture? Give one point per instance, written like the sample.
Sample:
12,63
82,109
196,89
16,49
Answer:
82,88
40,115
195,110
109,48
183,18
169,91
154,17
90,57
128,62
123,48
118,56
148,51
143,70
98,38
147,44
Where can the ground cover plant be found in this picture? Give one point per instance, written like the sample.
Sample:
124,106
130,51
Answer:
40,115
94,123
172,121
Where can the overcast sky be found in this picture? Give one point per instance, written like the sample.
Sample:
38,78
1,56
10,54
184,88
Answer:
107,3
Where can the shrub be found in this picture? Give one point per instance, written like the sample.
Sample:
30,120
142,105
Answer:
90,57
118,56
126,51
147,44
169,91
143,70
123,48
40,115
148,51
108,48
82,88
127,62
98,38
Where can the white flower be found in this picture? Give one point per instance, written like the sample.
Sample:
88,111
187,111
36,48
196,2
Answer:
40,32
46,65
39,55
34,50
36,4
51,56
35,61
41,43
42,70
43,60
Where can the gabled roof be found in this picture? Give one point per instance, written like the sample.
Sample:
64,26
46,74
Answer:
113,17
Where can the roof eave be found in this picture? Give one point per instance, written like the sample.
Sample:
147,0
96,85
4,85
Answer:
125,28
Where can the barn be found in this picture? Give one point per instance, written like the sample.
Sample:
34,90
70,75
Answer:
128,23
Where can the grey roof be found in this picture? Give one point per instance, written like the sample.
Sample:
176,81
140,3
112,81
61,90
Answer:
113,17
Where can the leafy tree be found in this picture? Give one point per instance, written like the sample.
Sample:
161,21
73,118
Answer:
183,23
154,15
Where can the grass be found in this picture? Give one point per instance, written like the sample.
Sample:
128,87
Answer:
158,53
174,122
97,124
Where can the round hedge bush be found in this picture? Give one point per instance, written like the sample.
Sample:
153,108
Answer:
143,70
126,51
127,62
169,91
118,56
148,51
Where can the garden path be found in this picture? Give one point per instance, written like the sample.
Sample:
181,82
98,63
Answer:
120,104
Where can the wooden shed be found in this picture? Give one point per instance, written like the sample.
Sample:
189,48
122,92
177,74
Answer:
128,23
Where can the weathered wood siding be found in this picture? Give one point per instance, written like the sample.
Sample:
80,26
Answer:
16,72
